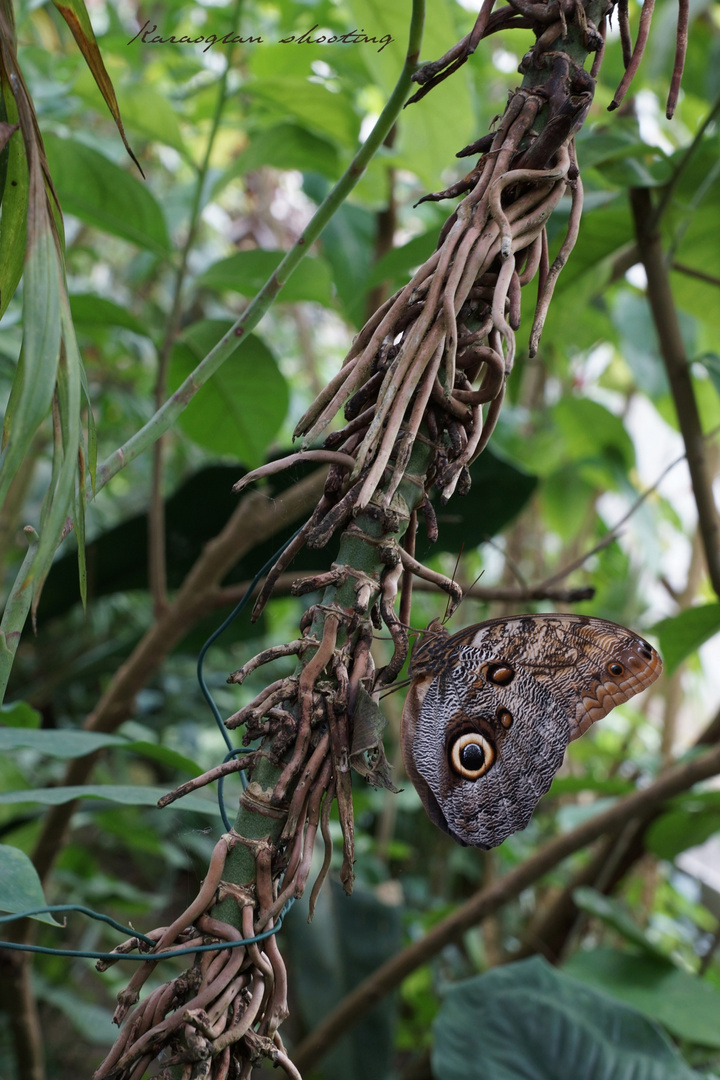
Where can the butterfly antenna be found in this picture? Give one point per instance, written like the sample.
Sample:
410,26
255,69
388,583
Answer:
446,616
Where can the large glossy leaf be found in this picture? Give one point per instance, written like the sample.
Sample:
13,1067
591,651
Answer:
687,1006
248,271
681,635
242,407
345,942
20,887
527,1021
102,194
196,512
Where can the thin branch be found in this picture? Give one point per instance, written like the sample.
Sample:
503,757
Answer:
672,349
365,996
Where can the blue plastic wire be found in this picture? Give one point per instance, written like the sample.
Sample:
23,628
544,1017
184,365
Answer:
151,958
233,751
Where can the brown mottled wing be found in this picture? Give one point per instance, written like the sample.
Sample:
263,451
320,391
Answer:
572,656
561,682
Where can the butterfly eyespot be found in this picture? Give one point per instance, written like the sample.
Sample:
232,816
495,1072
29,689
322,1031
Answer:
615,668
505,717
500,674
471,755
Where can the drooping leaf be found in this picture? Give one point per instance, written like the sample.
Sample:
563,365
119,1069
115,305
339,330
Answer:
102,194
681,635
20,887
529,1020
242,407
76,16
687,1006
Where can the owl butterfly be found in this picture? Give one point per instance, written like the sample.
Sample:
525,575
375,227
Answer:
491,710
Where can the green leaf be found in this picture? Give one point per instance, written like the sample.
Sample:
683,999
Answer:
20,888
248,271
102,194
34,382
242,407
18,714
314,105
59,744
687,1006
285,146
527,1021
614,914
127,794
14,195
592,432
689,821
75,744
75,15
149,113
681,635
90,310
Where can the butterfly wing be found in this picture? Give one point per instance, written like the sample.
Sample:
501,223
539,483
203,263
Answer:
522,747
589,665
492,709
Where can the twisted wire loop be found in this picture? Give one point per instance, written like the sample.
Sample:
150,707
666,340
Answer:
428,369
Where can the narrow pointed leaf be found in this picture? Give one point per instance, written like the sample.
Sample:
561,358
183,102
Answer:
76,16
34,383
14,194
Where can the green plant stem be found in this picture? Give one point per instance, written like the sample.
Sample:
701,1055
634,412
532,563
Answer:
166,415
15,614
157,568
